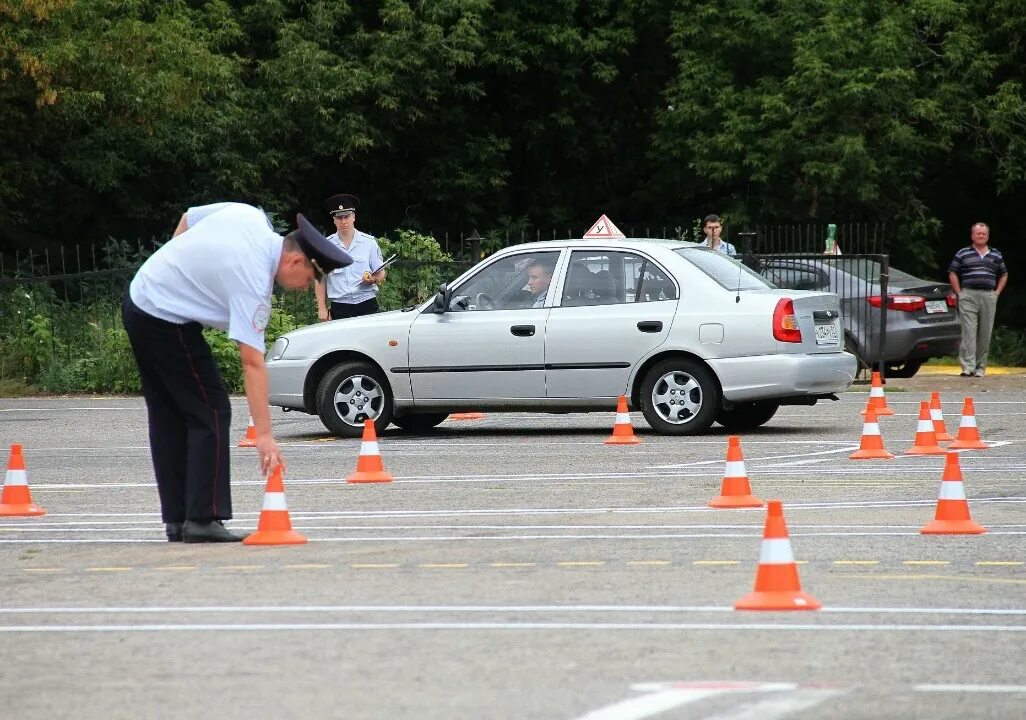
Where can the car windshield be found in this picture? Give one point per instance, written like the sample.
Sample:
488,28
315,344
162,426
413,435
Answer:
727,271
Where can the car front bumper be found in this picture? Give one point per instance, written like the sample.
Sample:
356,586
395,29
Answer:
764,377
285,381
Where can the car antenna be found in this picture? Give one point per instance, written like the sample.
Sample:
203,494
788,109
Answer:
747,248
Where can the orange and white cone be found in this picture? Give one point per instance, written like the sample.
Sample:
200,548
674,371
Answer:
250,439
937,415
275,527
871,445
466,416
16,500
623,431
877,399
926,438
736,491
968,434
777,586
369,467
952,516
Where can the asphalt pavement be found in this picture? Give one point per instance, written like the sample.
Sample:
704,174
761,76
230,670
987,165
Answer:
517,567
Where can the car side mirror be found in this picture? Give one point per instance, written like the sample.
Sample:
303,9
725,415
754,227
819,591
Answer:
441,303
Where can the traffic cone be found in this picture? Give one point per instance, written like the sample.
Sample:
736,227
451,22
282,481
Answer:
250,439
937,415
275,526
952,516
16,500
926,438
968,434
735,492
623,431
877,399
466,416
777,586
369,468
871,445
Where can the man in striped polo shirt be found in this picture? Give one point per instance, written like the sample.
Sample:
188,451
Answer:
977,275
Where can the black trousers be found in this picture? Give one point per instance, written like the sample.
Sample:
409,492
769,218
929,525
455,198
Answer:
347,310
189,415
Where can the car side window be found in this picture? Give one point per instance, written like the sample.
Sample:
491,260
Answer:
796,278
651,284
594,278
509,283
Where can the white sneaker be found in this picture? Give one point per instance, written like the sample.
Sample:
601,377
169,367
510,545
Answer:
978,373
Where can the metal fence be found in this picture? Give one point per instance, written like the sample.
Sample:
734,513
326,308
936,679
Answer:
71,298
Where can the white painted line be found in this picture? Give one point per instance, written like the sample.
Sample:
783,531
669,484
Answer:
648,705
590,627
445,609
799,462
972,688
775,707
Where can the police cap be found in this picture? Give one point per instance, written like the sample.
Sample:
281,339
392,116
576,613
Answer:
337,204
322,253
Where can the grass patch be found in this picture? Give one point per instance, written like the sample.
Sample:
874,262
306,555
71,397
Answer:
15,387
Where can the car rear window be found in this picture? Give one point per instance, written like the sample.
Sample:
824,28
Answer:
727,271
866,269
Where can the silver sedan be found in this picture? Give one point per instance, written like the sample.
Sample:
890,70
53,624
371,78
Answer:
688,335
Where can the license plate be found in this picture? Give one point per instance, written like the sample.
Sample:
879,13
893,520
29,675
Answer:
827,334
936,306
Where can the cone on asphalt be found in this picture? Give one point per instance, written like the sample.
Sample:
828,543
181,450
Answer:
623,431
275,527
369,467
16,500
877,399
926,438
736,491
250,439
466,416
952,516
777,586
968,434
871,445
937,415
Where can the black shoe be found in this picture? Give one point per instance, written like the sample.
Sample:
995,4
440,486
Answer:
174,531
965,374
211,532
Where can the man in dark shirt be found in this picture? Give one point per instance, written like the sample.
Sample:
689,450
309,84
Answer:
977,275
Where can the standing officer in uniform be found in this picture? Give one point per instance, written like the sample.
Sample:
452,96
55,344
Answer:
352,291
217,271
978,275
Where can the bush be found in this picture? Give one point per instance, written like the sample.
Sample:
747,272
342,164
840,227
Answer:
1008,347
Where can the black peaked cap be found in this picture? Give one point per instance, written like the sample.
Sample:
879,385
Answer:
324,254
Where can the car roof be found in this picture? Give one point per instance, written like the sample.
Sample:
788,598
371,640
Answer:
610,243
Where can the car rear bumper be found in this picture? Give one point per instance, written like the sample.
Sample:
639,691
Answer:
764,377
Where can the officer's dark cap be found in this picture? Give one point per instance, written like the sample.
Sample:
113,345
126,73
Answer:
323,254
337,204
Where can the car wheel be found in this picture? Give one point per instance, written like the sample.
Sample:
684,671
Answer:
747,416
419,422
906,369
680,397
351,393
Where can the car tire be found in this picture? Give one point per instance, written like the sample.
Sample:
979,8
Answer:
363,393
419,422
747,416
680,396
906,369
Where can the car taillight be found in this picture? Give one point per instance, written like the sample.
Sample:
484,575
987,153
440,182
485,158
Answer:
785,322
905,303
952,300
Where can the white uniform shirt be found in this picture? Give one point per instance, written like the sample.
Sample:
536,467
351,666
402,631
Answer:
346,285
219,273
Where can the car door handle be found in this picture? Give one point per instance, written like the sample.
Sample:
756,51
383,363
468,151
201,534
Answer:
650,325
522,330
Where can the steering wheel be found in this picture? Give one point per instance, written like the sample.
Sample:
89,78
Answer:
484,302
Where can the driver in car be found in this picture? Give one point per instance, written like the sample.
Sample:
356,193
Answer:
539,275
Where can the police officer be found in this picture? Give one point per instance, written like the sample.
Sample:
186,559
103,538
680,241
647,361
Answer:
351,291
217,271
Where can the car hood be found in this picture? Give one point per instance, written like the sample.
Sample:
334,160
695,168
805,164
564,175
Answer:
396,321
